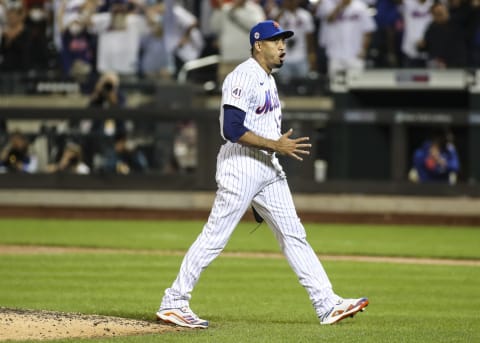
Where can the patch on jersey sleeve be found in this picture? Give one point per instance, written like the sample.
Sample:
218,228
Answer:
237,92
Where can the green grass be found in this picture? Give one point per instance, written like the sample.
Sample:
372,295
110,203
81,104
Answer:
250,300
387,240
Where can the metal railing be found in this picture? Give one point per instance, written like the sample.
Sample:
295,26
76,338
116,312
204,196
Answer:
189,66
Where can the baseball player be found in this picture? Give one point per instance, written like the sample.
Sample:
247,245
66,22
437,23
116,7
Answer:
249,173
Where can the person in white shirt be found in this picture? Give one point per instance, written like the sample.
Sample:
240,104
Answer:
346,32
416,18
183,38
231,23
301,48
119,36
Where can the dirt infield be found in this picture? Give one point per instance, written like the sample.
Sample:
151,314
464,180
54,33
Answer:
17,324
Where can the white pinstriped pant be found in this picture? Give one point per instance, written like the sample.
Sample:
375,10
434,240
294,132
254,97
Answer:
248,176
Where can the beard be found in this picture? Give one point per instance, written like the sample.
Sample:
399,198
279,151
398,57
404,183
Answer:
278,65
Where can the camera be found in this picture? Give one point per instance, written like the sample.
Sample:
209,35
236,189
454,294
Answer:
14,156
108,87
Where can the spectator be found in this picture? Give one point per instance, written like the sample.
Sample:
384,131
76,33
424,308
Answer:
301,47
107,94
14,43
444,41
206,9
71,161
185,147
124,159
436,161
416,17
271,7
78,46
231,22
183,38
29,4
387,37
37,22
156,61
119,35
462,13
17,156
207,73
346,34
66,12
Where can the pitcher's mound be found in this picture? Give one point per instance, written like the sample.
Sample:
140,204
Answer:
18,324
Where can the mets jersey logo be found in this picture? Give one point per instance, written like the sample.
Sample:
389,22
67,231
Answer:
271,103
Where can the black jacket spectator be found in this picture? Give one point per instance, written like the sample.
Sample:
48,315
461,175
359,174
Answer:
15,41
445,41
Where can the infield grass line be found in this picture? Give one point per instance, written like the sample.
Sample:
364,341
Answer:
47,250
326,239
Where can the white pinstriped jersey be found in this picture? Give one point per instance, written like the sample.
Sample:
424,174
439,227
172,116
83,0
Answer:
249,88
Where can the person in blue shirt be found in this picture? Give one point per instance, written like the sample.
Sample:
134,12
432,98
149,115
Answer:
436,161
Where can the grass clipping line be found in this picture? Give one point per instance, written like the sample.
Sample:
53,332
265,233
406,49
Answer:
18,324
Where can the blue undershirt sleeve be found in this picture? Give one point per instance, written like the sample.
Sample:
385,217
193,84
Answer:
233,119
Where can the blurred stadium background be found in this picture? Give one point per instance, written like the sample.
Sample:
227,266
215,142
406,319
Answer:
365,128
359,166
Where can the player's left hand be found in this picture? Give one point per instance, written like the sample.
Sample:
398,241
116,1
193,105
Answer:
293,147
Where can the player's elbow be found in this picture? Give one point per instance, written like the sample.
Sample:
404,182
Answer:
233,133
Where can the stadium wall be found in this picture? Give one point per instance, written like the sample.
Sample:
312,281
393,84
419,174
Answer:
331,208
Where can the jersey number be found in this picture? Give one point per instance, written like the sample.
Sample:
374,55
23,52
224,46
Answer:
237,92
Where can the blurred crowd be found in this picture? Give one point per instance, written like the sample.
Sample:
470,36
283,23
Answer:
154,38
100,43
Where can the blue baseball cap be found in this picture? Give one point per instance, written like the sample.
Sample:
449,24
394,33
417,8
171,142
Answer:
266,30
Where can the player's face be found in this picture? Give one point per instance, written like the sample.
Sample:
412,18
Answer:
273,52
